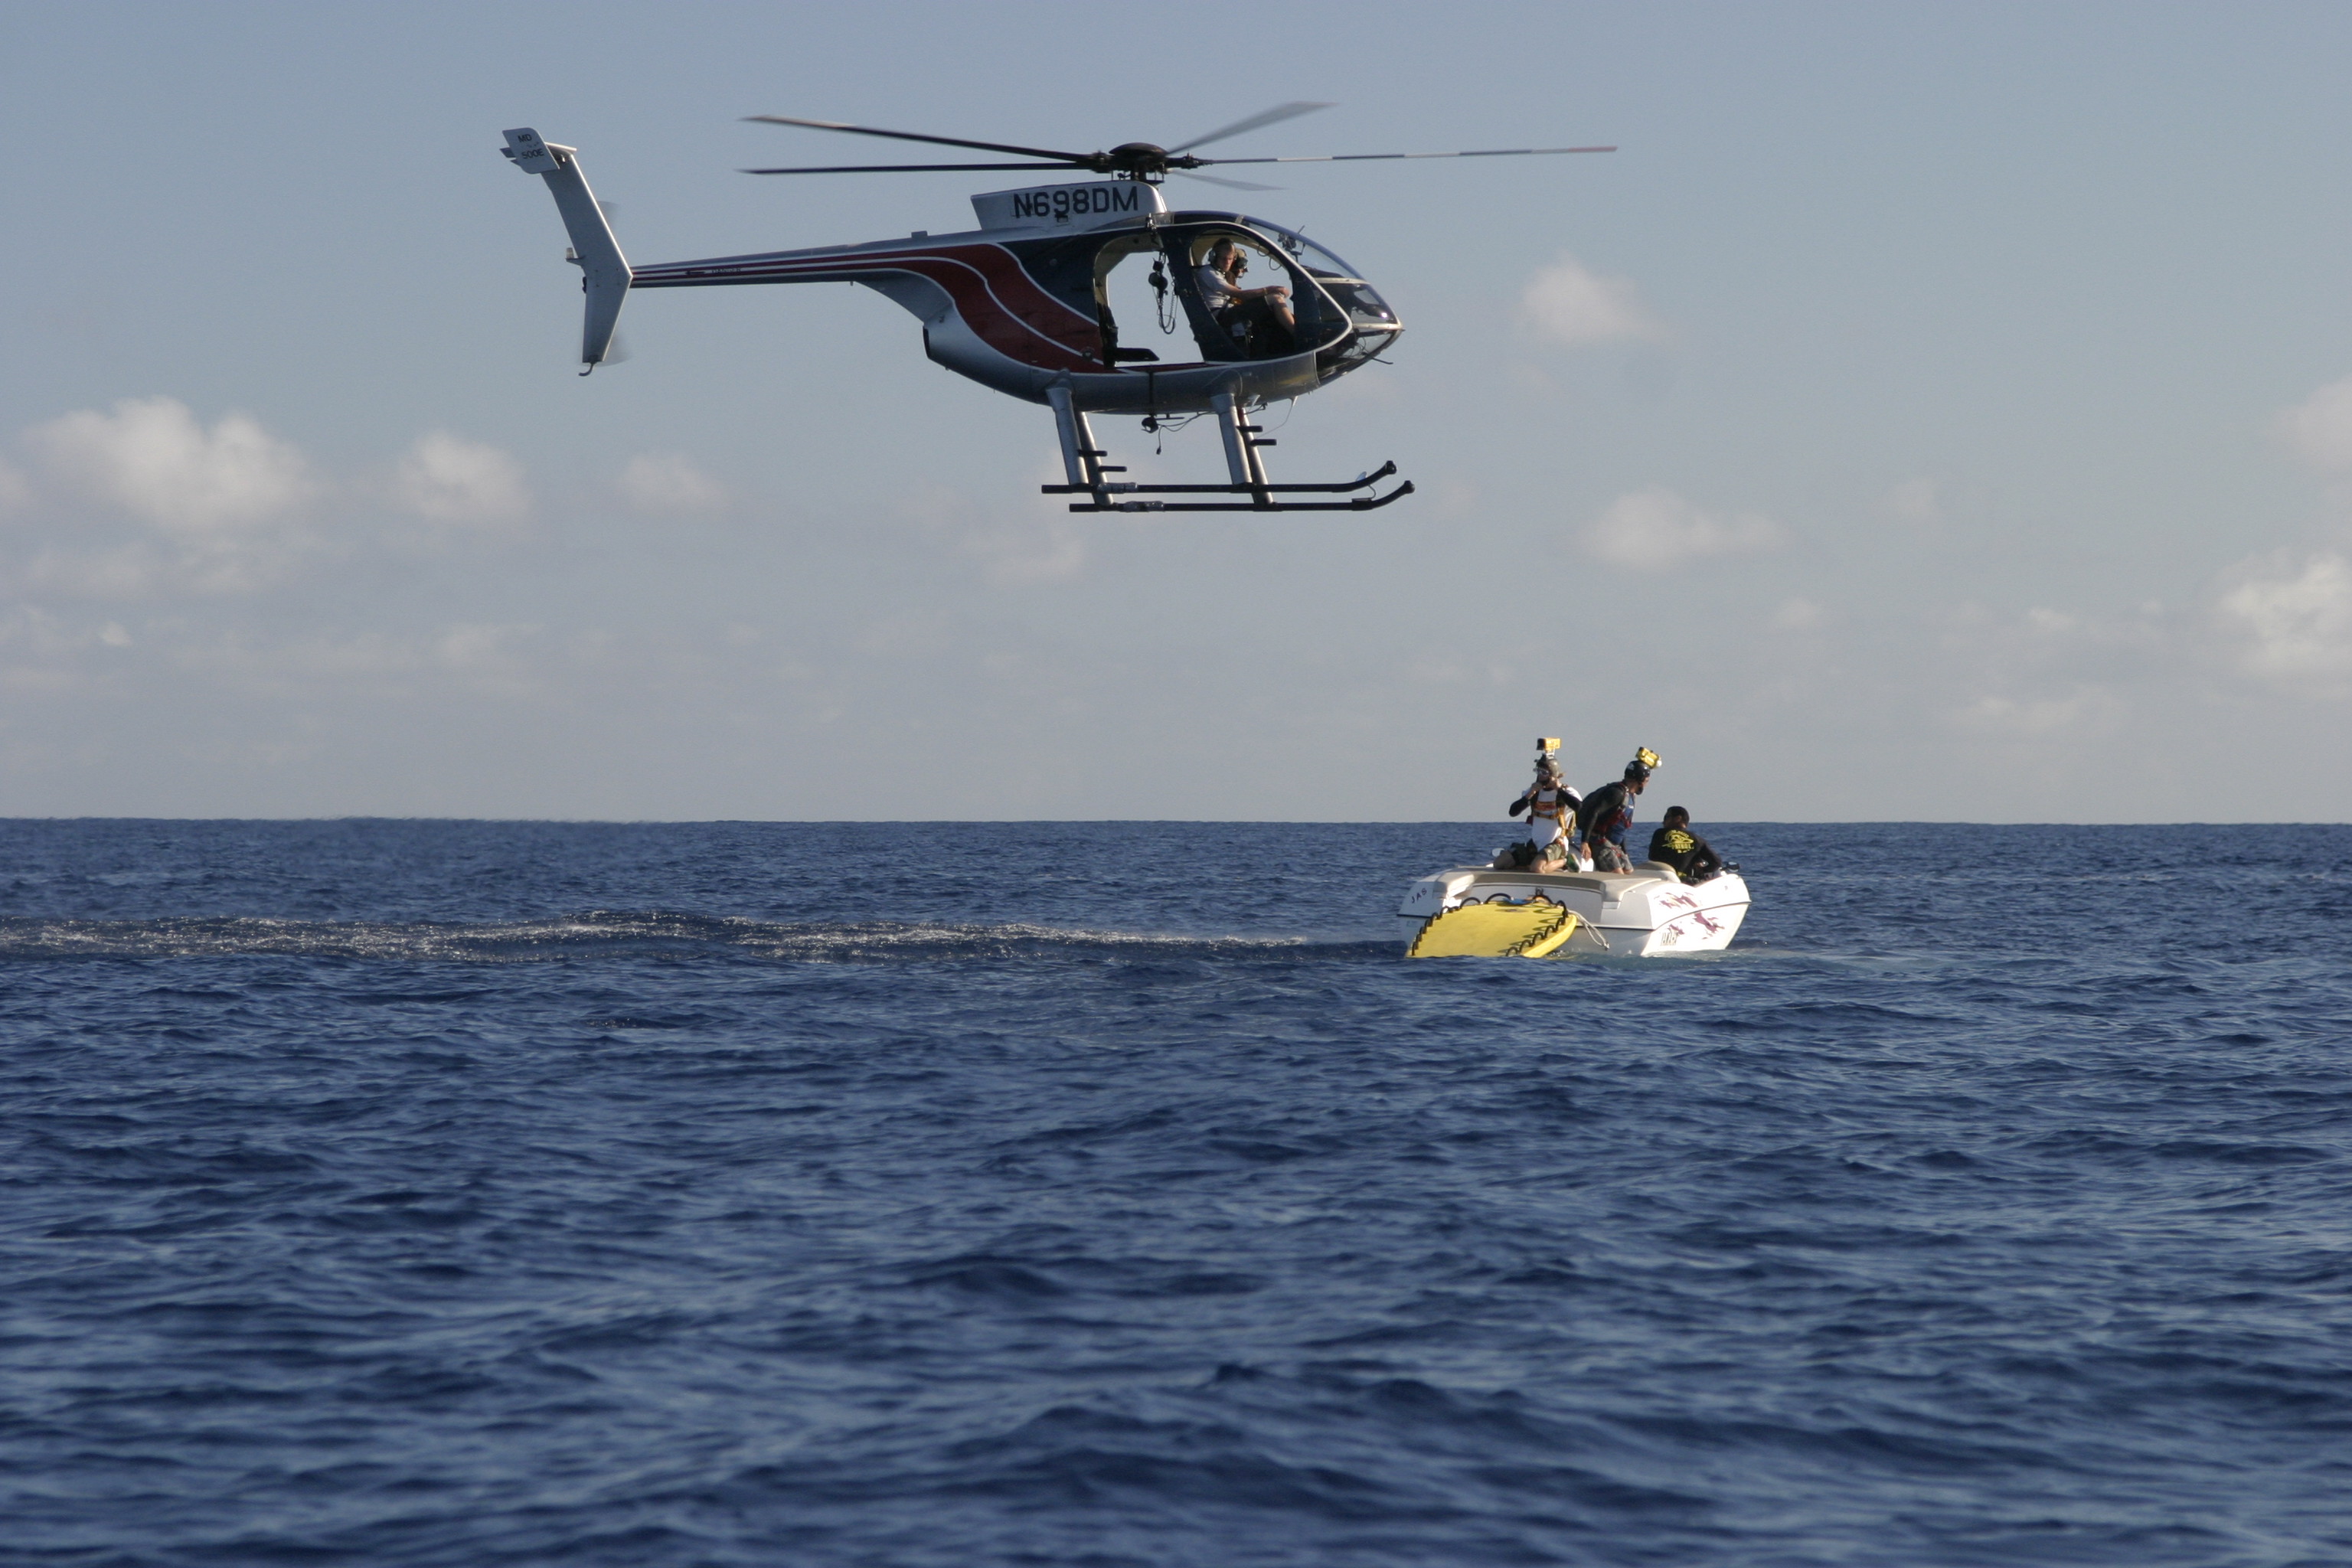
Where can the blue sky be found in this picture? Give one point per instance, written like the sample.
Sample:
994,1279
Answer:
1931,412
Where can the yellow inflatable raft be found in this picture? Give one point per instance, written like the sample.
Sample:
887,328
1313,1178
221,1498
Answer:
1530,929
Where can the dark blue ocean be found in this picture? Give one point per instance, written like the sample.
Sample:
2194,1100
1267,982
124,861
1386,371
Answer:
467,1194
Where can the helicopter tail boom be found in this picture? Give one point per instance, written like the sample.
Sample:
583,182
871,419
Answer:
604,272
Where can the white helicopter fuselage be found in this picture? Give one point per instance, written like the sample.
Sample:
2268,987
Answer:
1022,305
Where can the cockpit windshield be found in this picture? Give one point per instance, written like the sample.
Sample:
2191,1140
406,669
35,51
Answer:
1305,252
1341,281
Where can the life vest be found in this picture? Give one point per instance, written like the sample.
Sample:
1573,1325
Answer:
1555,802
1606,812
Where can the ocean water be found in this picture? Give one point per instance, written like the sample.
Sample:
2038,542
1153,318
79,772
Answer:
485,1193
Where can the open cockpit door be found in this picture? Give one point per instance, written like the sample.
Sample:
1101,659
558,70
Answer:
1133,307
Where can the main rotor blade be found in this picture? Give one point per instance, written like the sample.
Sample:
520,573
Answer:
1280,111
906,168
1213,180
1386,157
916,136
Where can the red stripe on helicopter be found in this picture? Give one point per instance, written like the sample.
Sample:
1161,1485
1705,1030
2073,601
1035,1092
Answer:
991,291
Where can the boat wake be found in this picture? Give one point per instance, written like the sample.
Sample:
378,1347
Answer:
623,934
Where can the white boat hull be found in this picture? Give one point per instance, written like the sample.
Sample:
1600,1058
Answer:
1647,913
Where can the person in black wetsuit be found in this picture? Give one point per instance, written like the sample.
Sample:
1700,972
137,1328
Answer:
1674,844
1607,815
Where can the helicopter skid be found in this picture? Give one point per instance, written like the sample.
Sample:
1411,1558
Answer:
1083,464
1102,494
1360,503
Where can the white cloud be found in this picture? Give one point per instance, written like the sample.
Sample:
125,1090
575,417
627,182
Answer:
1017,545
1915,501
1571,305
2083,710
484,658
450,479
38,653
1798,616
125,572
1653,530
479,649
146,569
2319,428
144,501
2042,671
1019,556
153,460
669,481
2295,625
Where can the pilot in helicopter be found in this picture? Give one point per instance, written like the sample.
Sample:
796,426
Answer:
1260,318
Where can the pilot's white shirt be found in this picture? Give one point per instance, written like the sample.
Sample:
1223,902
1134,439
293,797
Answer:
1215,292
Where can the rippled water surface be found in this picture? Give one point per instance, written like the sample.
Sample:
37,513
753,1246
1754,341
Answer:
479,1194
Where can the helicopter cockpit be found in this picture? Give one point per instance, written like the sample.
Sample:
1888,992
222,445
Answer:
1243,303
1330,311
1374,324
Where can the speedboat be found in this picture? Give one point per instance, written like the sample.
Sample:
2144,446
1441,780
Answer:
1485,912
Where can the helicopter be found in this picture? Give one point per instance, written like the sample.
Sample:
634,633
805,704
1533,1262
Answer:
1022,304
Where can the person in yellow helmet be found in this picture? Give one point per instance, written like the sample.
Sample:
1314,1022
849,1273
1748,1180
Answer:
1607,813
1550,808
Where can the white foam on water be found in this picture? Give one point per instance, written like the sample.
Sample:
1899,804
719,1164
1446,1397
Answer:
606,931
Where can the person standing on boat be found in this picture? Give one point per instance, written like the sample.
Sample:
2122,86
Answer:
1674,844
1607,815
1550,806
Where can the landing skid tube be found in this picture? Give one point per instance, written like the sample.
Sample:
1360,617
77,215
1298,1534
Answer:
1083,466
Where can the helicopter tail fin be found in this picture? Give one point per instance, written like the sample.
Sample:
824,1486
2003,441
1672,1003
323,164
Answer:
605,270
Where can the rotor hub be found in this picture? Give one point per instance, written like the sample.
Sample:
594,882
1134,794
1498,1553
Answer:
1146,161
